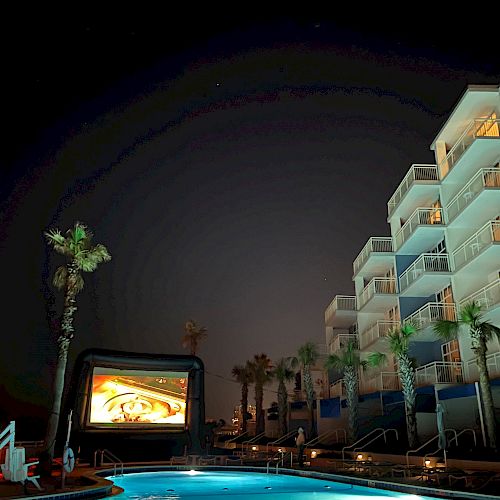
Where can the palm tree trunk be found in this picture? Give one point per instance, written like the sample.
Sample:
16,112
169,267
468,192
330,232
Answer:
64,341
259,416
309,386
351,387
407,377
62,359
282,408
487,397
244,407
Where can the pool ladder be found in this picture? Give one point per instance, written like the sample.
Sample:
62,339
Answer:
281,460
115,461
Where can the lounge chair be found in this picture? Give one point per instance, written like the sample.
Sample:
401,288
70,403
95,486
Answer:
207,461
180,460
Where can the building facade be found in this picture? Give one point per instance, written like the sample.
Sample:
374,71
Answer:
443,251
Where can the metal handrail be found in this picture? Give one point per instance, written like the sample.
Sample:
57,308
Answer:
115,461
281,460
466,430
253,440
426,443
324,435
280,440
360,448
236,437
382,432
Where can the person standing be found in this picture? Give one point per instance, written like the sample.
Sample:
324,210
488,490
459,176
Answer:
300,442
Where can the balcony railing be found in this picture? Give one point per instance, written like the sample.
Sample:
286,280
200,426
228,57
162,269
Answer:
483,238
376,331
486,297
492,362
482,128
337,389
416,173
420,217
377,286
341,340
439,372
322,349
432,312
485,178
383,381
373,245
426,263
340,303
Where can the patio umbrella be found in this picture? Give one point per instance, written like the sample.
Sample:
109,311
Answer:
442,441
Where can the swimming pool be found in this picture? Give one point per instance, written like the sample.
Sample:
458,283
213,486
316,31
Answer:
197,484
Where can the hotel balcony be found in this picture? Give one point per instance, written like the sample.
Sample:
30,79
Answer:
378,295
376,257
373,337
488,298
340,342
337,389
427,275
341,312
480,140
426,317
439,372
423,230
479,196
420,182
383,381
492,362
481,252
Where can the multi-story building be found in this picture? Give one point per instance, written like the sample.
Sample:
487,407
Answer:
443,251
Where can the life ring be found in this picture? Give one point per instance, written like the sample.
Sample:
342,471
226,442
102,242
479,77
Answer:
68,460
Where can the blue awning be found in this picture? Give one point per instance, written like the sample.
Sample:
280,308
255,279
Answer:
330,408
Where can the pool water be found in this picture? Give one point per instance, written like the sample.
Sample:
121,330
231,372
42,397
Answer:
242,486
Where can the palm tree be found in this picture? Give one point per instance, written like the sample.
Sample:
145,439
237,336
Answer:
480,333
82,256
349,363
307,356
243,375
283,373
193,335
399,345
260,367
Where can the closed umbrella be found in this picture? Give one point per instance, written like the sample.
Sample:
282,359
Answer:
442,441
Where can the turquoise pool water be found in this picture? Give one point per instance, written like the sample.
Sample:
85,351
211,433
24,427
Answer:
232,485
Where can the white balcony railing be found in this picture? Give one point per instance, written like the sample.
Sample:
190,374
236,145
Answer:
485,178
383,381
426,263
420,217
488,234
486,297
373,245
432,312
439,372
337,388
341,340
427,173
492,362
340,303
376,286
376,331
479,128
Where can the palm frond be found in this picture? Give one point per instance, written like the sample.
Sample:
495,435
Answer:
79,283
489,330
334,361
60,276
446,329
376,359
470,314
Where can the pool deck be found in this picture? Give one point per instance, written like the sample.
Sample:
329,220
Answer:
84,483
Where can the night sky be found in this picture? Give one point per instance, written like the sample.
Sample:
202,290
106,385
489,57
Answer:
234,168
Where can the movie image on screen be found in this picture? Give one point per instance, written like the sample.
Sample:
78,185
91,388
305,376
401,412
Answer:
131,397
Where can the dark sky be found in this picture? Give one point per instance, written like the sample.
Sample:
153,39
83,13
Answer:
233,167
